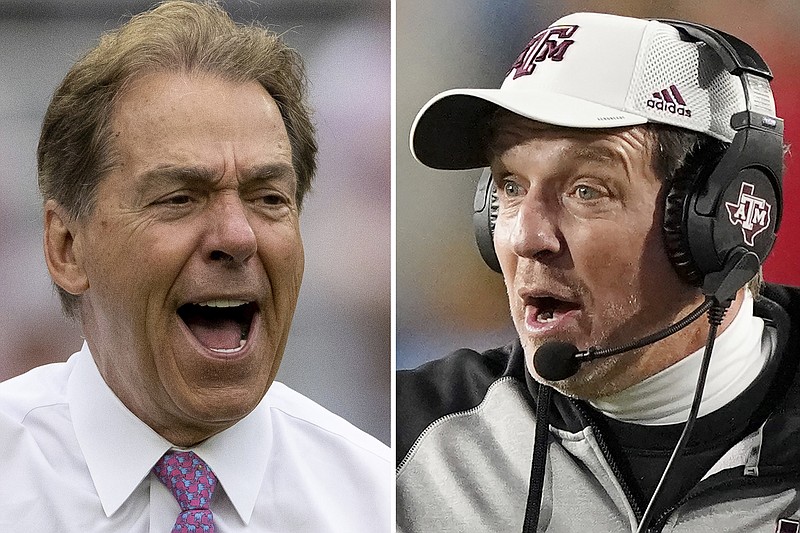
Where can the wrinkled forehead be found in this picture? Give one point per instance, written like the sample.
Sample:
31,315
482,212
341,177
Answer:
506,130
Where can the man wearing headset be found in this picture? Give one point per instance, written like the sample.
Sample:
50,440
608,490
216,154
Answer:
634,185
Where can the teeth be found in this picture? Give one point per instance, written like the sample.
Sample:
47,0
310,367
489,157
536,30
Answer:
545,316
230,350
222,303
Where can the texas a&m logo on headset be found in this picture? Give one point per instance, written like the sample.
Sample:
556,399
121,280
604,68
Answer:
750,211
551,43
787,525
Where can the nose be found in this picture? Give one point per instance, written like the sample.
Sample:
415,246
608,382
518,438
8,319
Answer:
231,237
535,232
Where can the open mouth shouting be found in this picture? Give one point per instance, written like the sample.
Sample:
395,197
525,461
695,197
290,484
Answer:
546,313
221,326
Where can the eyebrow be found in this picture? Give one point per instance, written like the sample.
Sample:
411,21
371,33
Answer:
269,171
600,154
169,174
166,174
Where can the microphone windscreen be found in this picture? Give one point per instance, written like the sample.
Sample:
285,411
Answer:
555,360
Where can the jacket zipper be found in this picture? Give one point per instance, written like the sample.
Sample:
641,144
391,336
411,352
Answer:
710,486
661,520
612,463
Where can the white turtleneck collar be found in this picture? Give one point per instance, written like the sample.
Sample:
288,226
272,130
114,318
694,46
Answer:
666,397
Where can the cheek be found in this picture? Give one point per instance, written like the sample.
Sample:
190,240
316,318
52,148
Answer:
283,258
144,258
627,269
296,265
609,255
132,269
112,259
615,272
502,246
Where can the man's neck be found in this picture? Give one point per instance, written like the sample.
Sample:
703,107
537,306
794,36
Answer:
665,398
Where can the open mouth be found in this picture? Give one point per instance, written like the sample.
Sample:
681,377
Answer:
547,309
222,326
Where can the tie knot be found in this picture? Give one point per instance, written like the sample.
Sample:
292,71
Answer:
188,477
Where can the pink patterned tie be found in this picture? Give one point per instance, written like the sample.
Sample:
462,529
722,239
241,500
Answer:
192,483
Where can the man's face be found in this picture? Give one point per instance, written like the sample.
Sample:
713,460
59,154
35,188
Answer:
193,253
579,242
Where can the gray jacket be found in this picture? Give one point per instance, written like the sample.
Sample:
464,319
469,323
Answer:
465,428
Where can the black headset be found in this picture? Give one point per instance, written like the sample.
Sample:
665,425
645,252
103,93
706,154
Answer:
719,224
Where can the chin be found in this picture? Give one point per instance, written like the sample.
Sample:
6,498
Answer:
595,379
221,407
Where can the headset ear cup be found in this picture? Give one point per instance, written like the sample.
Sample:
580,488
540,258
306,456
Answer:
675,231
691,180
484,217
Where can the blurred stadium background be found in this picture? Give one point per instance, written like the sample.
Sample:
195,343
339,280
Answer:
446,297
339,352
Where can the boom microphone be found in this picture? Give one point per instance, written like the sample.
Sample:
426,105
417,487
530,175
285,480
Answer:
557,360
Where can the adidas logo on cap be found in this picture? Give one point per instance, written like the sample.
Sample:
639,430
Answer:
669,100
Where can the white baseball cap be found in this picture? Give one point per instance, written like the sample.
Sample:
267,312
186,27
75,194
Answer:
590,70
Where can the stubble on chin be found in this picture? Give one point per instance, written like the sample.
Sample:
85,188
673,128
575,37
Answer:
594,380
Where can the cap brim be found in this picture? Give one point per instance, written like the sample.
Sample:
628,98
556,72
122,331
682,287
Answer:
449,132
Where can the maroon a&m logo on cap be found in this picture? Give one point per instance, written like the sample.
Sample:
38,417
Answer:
551,43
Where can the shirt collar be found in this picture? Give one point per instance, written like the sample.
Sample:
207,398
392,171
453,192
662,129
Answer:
238,457
120,450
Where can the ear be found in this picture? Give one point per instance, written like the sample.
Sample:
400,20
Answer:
62,249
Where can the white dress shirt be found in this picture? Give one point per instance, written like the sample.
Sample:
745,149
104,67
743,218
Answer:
73,458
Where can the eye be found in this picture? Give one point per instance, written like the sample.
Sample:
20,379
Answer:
511,188
178,199
587,193
272,199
